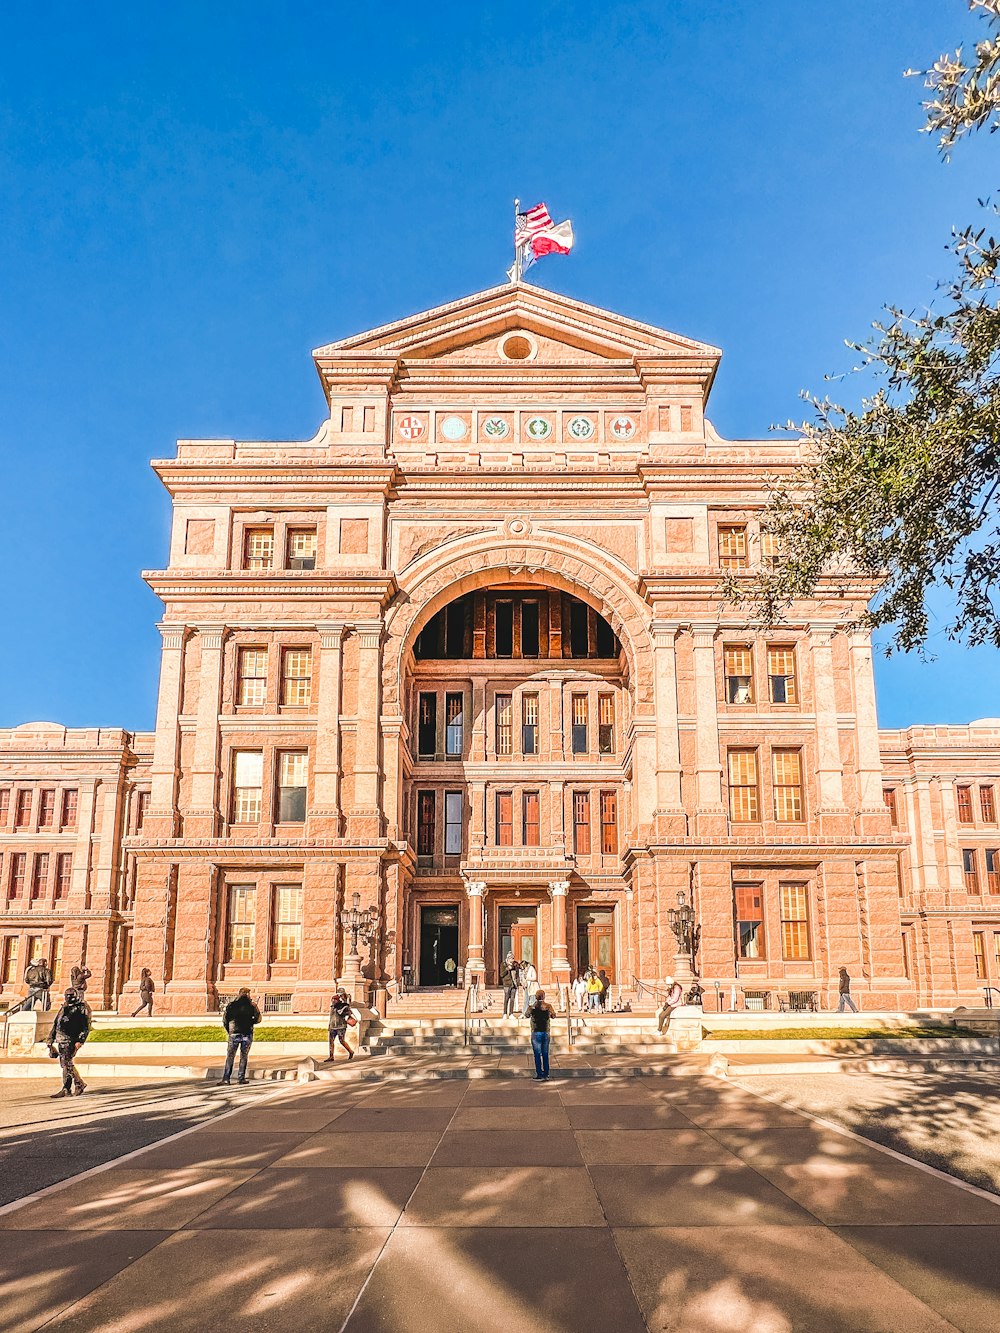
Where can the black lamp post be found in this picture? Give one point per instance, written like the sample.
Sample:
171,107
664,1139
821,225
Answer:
681,922
359,924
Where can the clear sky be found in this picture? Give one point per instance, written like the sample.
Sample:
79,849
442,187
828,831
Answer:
194,196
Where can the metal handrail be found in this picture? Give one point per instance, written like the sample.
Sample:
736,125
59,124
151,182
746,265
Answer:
988,991
465,1015
644,986
568,1001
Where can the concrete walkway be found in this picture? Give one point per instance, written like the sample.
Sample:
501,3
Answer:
616,1204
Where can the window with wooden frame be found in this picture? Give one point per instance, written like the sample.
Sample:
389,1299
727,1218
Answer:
505,818
453,822
529,618
293,782
963,796
531,833
529,723
504,725
889,797
22,808
907,964
581,823
18,869
733,546
10,951
47,808
426,804
738,672
749,908
996,953
454,725
296,676
258,548
609,823
503,627
301,548
605,724
979,953
744,796
578,627
992,857
770,550
794,900
241,914
970,869
578,730
782,685
251,677
987,805
39,875
56,958
248,786
67,818
286,934
141,807
4,806
64,874
427,714
786,778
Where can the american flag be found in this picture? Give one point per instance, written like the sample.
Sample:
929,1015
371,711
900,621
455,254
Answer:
530,223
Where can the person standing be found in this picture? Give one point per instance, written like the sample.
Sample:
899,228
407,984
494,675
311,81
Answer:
146,991
846,999
580,992
529,980
70,1029
38,979
508,980
605,995
239,1020
541,1016
341,1019
78,977
594,989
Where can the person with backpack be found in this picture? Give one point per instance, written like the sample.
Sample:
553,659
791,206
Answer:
239,1020
70,1029
38,979
509,976
147,989
341,1019
541,1016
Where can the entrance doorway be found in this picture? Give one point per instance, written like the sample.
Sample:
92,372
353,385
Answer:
438,946
519,934
595,939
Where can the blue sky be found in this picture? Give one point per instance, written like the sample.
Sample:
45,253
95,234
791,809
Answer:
197,195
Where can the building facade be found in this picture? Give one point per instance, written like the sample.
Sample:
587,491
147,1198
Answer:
463,654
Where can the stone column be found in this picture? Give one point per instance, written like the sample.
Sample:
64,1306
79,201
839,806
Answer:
875,818
326,780
475,966
202,820
668,758
162,814
711,812
829,765
559,890
365,819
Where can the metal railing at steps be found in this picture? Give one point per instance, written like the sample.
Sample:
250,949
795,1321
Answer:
644,988
988,993
472,1014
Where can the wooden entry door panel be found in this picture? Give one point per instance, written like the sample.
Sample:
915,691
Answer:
601,947
523,942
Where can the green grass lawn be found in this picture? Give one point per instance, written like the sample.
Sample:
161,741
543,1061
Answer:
837,1034
215,1033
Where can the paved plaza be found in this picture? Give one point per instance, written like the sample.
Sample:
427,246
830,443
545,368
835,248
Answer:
585,1204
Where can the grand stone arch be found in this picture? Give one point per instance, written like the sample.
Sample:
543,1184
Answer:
439,579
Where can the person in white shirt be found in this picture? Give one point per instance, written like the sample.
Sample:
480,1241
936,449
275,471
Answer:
529,980
580,993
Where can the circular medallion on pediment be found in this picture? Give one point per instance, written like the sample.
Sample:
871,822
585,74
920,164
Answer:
537,428
517,527
454,428
495,428
622,427
580,428
411,428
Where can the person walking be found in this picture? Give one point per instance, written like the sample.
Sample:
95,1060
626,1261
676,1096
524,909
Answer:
674,997
529,980
147,989
508,980
38,979
239,1020
605,981
580,992
846,999
70,1029
341,1019
541,1016
594,989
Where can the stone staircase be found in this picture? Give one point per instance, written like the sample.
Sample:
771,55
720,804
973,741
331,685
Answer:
632,1035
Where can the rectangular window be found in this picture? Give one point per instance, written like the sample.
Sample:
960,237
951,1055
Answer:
794,922
248,786
907,965
453,823
47,808
4,806
64,874
10,943
301,548
293,779
504,724
529,629
503,628
964,795
579,723
609,823
240,917
141,806
40,875
69,803
505,818
996,953
427,720
454,627
733,546
770,551
18,865
781,682
889,796
251,677
579,645
286,942
787,785
992,871
607,645
744,799
749,920
605,724
425,823
970,870
296,676
454,735
581,823
738,667
529,723
22,809
987,805
530,822
258,548
57,958
979,950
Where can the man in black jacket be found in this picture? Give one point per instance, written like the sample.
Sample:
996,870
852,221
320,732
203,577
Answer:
38,979
509,975
70,1029
239,1020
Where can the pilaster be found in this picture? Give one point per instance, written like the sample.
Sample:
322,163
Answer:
325,815
711,816
161,817
832,812
202,820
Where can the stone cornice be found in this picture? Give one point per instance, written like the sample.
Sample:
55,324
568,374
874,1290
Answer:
221,850
170,584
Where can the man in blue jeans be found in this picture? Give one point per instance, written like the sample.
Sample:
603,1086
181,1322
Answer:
541,1015
239,1020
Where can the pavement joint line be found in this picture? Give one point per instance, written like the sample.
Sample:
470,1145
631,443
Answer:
882,1147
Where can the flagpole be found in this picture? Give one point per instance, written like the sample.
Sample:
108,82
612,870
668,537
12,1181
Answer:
517,252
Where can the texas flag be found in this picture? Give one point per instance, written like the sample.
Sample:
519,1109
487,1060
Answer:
535,235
